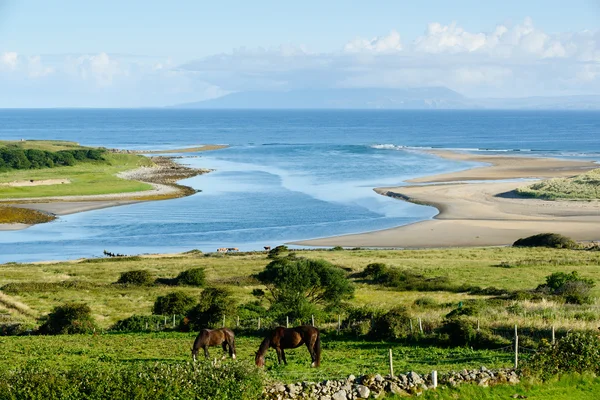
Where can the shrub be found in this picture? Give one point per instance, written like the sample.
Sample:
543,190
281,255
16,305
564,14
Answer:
68,319
394,324
296,283
425,302
138,277
137,323
546,240
152,381
192,277
277,251
178,303
214,304
576,352
460,331
573,288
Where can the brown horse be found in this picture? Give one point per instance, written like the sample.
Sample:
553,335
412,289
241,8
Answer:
214,337
290,338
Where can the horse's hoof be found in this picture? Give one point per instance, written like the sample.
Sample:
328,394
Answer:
313,365
233,356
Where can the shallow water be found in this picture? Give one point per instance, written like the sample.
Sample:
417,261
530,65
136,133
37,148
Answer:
288,175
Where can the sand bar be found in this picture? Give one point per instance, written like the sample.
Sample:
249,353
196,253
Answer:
483,214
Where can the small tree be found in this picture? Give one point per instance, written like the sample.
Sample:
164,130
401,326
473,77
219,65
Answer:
69,318
214,304
294,283
173,303
572,287
192,277
137,277
546,240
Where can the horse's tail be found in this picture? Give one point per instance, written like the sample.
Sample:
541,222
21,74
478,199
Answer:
317,350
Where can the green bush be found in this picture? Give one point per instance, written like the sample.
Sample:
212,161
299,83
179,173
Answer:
394,324
577,352
70,318
546,240
192,277
138,277
138,323
298,285
214,304
461,331
178,303
277,252
200,380
573,288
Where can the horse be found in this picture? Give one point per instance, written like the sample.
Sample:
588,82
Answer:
214,337
290,338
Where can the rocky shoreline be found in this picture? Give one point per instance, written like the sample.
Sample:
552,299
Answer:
376,386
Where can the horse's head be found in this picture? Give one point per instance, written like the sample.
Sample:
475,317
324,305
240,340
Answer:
259,360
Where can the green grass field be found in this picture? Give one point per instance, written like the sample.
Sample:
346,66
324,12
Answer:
109,302
87,178
572,387
366,356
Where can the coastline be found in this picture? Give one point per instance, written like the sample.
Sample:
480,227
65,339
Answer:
162,177
482,213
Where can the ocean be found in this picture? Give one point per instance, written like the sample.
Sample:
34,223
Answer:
286,175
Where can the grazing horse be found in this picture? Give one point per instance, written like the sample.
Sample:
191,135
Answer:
290,338
214,337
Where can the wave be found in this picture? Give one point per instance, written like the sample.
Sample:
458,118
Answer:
539,152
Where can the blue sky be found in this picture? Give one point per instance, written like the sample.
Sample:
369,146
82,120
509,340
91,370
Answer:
137,53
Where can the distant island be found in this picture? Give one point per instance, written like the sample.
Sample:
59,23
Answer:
420,98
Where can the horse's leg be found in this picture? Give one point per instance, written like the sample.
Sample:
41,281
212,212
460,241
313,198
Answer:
279,351
231,344
310,345
206,351
224,345
283,356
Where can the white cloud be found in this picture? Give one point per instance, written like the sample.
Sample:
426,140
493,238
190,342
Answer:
380,44
9,60
506,61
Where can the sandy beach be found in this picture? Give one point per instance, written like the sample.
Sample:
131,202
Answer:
483,213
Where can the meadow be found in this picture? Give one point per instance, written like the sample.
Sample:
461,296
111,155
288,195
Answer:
29,291
581,187
87,178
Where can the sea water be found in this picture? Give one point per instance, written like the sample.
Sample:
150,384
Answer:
286,175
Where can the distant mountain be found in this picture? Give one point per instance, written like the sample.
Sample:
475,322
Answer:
374,98
415,98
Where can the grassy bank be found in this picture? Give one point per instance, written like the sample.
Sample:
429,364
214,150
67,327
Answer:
11,215
581,187
571,387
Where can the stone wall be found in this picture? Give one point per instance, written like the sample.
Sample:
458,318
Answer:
373,386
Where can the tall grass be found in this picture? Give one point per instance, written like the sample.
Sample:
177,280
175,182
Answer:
581,187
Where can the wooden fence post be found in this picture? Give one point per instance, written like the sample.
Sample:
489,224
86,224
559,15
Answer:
339,323
223,321
173,321
477,325
553,335
165,320
434,378
420,325
237,322
516,348
411,327
312,317
287,321
146,325
391,364
259,323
